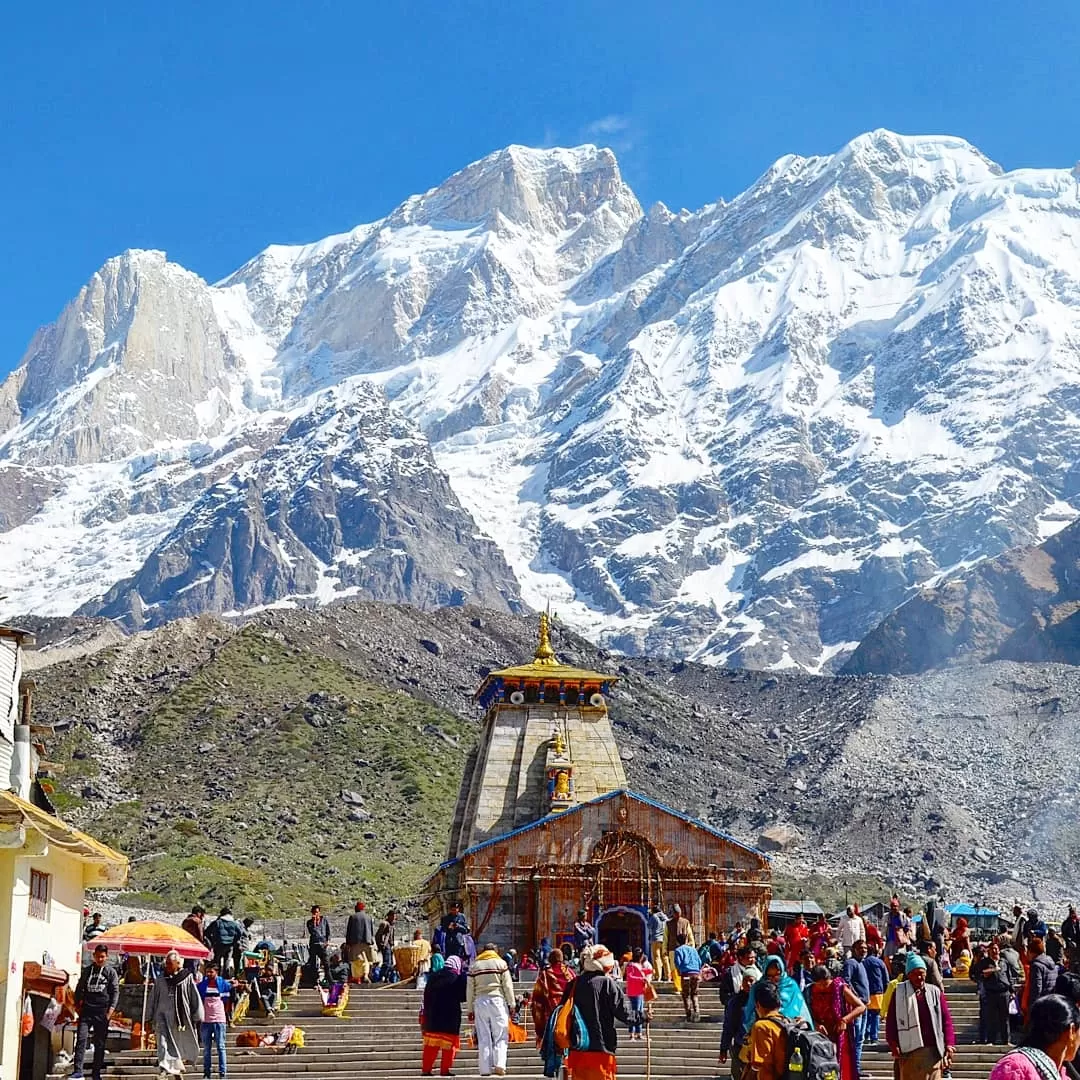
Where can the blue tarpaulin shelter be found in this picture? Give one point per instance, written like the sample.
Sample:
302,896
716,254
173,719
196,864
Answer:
979,918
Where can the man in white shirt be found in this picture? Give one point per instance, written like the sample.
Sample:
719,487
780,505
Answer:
850,930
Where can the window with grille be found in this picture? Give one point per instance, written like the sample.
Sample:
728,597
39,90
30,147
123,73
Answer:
39,894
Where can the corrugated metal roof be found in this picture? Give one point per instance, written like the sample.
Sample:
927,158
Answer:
968,910
76,843
550,818
794,907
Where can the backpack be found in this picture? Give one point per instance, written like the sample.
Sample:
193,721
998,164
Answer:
810,1055
568,1030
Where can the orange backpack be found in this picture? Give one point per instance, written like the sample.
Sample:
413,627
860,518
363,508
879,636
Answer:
563,1019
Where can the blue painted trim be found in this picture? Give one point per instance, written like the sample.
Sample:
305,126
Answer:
521,829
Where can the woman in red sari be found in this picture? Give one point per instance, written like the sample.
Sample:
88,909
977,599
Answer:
834,1005
795,938
548,991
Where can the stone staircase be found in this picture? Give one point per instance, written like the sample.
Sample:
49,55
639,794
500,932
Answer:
379,1038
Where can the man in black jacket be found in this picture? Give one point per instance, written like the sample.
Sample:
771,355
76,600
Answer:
96,995
318,930
360,940
601,1001
1070,932
455,929
992,974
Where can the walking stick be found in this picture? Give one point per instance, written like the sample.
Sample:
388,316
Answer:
648,1044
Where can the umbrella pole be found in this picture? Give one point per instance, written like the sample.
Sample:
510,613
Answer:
145,989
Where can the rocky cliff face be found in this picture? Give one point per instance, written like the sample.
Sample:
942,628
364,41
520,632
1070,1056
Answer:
136,358
743,434
348,502
1019,606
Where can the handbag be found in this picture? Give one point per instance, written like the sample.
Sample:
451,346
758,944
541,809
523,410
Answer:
650,993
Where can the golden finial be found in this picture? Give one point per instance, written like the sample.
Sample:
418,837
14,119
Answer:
544,654
560,746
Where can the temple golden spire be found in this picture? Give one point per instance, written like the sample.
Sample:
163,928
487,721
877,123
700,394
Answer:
545,654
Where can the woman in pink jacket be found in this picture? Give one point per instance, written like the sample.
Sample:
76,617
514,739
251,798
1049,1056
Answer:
1052,1039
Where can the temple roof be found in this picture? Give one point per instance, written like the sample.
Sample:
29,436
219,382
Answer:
553,819
545,664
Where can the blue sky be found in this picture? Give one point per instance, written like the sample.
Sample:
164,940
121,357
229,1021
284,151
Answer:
213,129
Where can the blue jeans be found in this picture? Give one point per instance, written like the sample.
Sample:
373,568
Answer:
637,1002
213,1034
873,1026
858,1033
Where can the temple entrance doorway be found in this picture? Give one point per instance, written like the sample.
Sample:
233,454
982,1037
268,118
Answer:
621,929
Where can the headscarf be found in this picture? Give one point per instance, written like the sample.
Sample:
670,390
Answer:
792,1004
597,958
914,961
453,963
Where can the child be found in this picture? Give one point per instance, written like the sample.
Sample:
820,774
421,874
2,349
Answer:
638,974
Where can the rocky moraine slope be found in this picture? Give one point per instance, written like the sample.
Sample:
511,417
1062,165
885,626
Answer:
318,754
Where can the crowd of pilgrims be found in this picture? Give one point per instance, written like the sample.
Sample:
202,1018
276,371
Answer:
856,983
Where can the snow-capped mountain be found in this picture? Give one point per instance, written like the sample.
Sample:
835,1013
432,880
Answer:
742,434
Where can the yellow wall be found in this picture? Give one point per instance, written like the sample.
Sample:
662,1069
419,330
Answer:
24,938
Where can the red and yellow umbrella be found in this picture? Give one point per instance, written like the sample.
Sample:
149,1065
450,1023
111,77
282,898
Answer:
150,938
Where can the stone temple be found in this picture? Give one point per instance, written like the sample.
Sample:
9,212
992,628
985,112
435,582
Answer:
545,825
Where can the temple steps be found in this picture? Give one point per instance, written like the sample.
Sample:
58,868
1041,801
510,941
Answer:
379,1039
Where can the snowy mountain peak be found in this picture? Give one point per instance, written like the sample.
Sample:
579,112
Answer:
136,357
743,433
879,176
882,151
548,191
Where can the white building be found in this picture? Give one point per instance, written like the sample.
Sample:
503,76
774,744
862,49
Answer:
46,866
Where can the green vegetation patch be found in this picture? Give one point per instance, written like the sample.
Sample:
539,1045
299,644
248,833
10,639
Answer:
272,778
